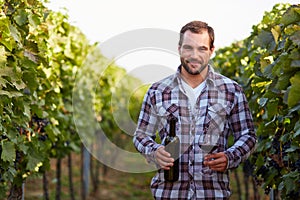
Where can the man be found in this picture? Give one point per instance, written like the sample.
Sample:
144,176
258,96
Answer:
198,97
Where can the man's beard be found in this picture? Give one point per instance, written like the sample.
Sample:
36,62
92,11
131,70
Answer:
185,65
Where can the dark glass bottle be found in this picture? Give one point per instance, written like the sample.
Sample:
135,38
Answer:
172,144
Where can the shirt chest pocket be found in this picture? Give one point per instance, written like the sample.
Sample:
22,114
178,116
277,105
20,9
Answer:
216,117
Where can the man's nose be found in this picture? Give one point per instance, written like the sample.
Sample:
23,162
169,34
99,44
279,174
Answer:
194,54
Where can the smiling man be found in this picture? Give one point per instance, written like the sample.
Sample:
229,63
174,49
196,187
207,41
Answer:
206,105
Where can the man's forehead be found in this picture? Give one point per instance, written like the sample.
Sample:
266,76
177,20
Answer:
198,39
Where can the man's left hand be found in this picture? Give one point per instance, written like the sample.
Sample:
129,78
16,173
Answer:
216,161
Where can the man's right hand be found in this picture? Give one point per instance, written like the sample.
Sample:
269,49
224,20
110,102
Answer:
163,158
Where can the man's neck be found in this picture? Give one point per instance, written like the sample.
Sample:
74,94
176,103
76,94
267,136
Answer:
194,80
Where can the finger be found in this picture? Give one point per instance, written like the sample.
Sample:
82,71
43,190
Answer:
215,155
219,164
211,161
220,168
163,152
165,165
163,158
216,163
164,155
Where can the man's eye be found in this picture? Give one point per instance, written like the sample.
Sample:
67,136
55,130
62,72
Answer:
187,47
202,48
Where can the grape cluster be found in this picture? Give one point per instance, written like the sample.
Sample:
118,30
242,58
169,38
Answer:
263,170
37,125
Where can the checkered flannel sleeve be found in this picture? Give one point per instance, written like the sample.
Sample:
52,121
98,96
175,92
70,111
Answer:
145,134
243,130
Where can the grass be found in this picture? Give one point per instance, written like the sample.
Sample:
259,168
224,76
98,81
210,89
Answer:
113,185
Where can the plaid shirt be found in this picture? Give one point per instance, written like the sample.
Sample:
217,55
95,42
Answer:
220,97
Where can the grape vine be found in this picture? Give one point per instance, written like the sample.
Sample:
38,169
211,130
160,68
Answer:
267,65
40,56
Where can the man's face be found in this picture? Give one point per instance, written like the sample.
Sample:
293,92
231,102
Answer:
195,52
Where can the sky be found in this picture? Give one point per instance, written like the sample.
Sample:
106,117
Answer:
107,21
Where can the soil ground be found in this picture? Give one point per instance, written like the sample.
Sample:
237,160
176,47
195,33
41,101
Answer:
113,185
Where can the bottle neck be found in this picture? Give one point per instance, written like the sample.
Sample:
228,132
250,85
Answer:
172,131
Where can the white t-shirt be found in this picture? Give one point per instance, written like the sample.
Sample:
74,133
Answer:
193,93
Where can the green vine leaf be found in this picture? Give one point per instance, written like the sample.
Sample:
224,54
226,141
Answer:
273,91
34,160
296,38
21,17
294,94
8,151
291,16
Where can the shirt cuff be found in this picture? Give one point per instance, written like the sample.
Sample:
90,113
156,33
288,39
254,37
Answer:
229,159
227,165
151,158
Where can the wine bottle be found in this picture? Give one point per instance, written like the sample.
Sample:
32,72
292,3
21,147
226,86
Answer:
172,144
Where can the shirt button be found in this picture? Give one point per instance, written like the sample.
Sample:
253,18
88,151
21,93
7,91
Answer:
191,163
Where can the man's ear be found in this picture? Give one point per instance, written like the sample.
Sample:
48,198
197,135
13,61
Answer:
212,49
